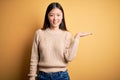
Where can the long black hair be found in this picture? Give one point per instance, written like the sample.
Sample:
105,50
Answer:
46,25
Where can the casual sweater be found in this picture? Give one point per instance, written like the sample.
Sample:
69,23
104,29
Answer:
51,51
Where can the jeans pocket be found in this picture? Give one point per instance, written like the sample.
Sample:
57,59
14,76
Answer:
41,77
65,76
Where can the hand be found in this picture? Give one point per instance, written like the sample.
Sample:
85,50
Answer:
82,34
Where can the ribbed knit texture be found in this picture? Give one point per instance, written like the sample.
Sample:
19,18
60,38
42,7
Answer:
51,51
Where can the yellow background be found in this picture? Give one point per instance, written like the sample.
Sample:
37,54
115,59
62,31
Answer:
98,56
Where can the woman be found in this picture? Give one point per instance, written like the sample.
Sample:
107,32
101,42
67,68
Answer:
53,47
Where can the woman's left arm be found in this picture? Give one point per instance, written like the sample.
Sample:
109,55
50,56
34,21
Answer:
72,45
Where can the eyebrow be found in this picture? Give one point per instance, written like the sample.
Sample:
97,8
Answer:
55,13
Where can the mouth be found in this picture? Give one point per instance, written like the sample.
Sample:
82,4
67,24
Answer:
55,22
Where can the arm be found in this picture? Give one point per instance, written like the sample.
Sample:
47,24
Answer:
34,58
72,46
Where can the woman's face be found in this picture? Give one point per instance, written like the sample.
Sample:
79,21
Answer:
55,17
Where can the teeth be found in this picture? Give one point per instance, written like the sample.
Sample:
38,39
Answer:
55,22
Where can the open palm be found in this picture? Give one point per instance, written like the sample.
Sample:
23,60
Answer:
82,34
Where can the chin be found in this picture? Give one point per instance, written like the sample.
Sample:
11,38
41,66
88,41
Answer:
55,26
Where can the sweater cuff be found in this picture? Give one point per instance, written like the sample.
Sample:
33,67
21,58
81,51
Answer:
32,75
32,78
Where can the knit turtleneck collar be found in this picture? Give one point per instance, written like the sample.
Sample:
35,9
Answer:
53,30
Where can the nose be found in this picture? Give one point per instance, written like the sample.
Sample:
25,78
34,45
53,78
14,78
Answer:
55,17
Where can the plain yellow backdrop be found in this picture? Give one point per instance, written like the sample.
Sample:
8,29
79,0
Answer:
98,56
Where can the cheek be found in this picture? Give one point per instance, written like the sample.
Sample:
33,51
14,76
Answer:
50,19
60,19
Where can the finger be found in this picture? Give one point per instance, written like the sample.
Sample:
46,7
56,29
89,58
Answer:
85,34
88,34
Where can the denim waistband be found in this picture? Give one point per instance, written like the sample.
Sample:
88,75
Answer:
61,75
53,73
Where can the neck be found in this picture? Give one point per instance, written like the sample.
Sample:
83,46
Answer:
54,28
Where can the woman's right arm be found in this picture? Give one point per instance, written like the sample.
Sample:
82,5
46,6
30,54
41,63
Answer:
34,58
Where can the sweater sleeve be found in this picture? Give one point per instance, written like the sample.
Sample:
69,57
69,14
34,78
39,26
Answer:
71,47
34,58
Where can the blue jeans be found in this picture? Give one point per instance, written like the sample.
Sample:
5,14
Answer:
62,75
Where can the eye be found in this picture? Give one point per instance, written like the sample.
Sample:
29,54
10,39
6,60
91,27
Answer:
58,15
50,14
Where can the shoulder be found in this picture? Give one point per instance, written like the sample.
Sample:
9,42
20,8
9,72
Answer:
68,34
38,31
